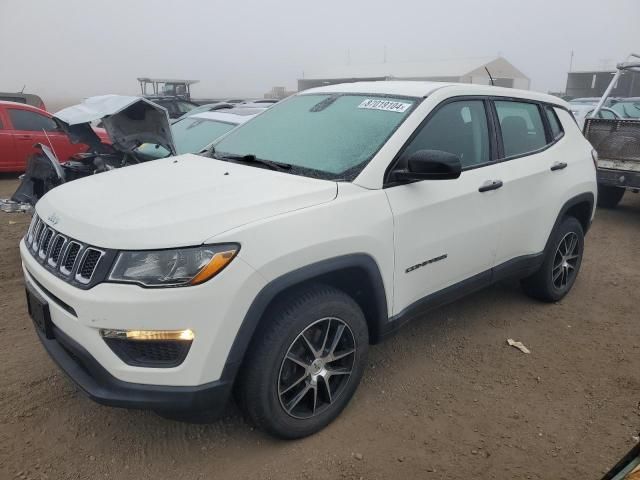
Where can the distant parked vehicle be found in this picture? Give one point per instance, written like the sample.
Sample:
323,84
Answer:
26,98
624,107
172,94
207,107
266,100
166,87
176,107
627,107
23,126
255,105
581,111
128,123
584,101
251,100
193,133
139,131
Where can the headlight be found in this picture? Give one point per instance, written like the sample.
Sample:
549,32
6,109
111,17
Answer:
178,267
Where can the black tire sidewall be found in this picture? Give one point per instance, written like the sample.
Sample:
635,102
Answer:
568,225
289,320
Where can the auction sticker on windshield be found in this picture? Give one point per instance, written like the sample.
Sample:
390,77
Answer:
385,105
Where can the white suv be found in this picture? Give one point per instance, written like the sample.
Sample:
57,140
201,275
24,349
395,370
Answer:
268,264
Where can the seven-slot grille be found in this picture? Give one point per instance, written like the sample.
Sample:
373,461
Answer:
70,259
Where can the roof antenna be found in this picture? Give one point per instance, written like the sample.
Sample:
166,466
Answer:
23,87
490,77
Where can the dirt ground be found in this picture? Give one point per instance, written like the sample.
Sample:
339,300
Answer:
445,398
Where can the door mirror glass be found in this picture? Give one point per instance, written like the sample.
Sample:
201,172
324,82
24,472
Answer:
431,165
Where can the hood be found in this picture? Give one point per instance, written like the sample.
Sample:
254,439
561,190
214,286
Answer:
175,202
129,121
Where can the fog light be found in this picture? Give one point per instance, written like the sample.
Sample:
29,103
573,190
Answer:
144,335
149,348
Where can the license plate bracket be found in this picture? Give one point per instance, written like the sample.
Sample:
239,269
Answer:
39,312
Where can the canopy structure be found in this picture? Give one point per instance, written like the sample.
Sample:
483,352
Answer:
166,87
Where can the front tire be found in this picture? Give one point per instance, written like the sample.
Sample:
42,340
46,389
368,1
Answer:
305,362
609,196
561,263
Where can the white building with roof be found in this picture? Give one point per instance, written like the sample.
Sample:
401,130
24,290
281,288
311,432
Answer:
465,70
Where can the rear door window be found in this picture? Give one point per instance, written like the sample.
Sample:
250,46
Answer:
554,123
521,126
30,121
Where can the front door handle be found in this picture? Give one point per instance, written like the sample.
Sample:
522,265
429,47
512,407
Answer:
490,185
558,166
25,137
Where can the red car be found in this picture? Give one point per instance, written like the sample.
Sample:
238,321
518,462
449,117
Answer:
22,126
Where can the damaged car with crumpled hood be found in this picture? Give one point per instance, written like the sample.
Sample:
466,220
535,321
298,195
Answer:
129,122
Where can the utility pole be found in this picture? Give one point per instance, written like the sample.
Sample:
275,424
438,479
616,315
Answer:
571,62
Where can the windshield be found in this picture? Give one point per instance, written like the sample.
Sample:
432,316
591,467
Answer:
190,135
627,109
321,135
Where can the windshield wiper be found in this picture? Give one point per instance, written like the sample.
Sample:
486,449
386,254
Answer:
250,158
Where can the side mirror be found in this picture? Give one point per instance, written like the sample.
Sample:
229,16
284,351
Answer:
431,165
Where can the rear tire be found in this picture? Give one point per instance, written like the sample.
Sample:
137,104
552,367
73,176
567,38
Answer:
561,263
304,363
609,196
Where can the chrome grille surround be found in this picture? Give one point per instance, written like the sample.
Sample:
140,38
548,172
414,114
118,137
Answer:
75,262
87,264
57,248
45,242
70,257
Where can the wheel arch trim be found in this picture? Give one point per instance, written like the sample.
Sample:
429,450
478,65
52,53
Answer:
311,272
587,197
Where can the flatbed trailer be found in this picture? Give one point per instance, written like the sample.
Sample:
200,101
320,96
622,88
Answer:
617,142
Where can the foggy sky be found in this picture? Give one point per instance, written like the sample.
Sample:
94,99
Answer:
69,49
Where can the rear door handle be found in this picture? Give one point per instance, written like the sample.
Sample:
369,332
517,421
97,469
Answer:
25,137
490,185
558,166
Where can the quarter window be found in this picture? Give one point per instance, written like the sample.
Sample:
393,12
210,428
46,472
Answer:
554,123
30,121
521,126
457,127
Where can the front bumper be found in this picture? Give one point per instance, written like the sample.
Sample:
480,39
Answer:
102,387
213,310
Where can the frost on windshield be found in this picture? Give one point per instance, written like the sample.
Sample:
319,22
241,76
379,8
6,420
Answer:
327,136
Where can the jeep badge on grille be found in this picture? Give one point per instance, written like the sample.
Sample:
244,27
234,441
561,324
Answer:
53,218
